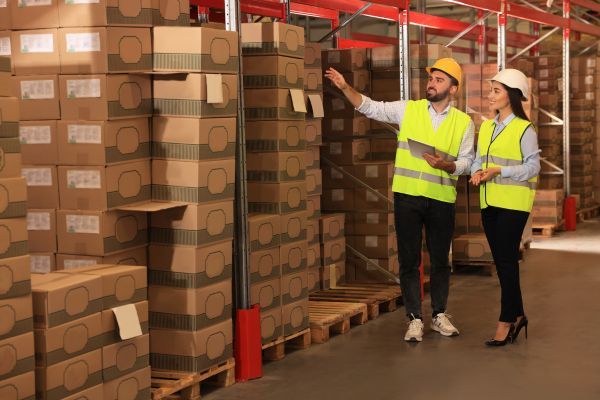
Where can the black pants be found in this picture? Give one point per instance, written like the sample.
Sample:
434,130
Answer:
411,214
504,229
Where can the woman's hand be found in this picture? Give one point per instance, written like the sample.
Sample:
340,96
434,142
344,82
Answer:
337,79
490,173
476,178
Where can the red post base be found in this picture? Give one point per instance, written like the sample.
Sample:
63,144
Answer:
248,347
570,213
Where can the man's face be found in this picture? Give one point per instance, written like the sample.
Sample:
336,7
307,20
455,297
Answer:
439,86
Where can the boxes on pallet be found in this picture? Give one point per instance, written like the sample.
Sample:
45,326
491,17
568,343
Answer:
267,294
171,12
295,317
38,97
376,174
38,142
33,15
41,228
293,227
357,126
275,167
333,251
105,13
134,256
35,52
272,198
346,153
345,60
293,257
274,104
262,136
42,263
272,38
294,287
273,72
471,248
365,199
265,231
264,265
22,387
271,327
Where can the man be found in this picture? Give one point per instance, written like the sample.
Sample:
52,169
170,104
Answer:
424,188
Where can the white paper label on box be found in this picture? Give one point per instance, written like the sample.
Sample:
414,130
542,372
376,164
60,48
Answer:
370,266
37,176
371,241
544,73
40,264
543,84
543,61
372,218
589,95
83,224
5,46
38,221
37,90
76,263
37,43
372,171
335,174
333,57
83,179
335,149
337,124
35,134
337,195
34,3
82,1
589,80
3,4
338,104
83,42
372,197
128,321
84,134
83,88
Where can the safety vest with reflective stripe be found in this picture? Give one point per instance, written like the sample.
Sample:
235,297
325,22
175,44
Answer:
414,176
505,151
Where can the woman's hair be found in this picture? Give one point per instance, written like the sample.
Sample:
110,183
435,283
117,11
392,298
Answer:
514,97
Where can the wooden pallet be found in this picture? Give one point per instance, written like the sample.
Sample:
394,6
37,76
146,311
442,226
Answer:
328,317
548,230
588,213
377,297
474,267
276,350
171,385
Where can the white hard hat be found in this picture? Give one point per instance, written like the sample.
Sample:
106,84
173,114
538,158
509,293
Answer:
513,78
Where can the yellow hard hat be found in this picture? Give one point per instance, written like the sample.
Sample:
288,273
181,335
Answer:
450,67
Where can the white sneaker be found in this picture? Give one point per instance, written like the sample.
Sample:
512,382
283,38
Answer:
441,323
414,333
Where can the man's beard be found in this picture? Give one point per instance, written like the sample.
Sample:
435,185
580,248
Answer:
434,98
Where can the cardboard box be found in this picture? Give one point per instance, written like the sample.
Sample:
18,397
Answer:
273,72
193,225
338,200
10,149
333,251
346,153
21,387
313,256
13,198
312,157
38,142
32,14
276,198
93,393
42,263
38,97
190,139
339,107
136,385
275,167
10,111
313,207
262,136
15,277
100,233
344,60
358,126
105,97
264,265
314,280
331,227
69,377
103,142
314,182
41,228
360,80
105,13
366,200
13,237
189,267
265,231
110,328
374,246
17,315
293,257
5,20
293,227
471,247
135,256
267,294
382,149
175,350
312,55
312,231
122,358
65,341
18,355
195,95
314,131
295,317
274,104
272,38
270,325
171,12
35,52
313,79
294,287
370,223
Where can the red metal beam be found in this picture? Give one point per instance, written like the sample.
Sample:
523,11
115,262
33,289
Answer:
590,5
486,5
255,7
315,12
351,6
351,43
590,29
529,14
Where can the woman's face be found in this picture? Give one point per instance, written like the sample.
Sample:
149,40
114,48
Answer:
498,97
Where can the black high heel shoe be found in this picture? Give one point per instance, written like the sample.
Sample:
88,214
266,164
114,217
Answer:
507,339
522,324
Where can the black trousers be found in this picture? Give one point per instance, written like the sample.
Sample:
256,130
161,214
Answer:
411,214
504,228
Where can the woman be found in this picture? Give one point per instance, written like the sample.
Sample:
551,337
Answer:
506,168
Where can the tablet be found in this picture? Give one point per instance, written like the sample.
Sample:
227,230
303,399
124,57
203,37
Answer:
418,148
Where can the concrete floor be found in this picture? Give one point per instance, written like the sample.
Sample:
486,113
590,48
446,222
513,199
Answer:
561,359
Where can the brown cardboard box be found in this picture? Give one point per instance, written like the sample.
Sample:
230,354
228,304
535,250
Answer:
264,265
195,95
193,225
38,97
358,126
171,12
110,329
313,206
265,231
69,377
103,142
295,317
190,139
191,351
267,294
35,52
189,267
270,325
65,341
274,104
41,228
17,316
312,231
5,20
471,247
314,182
272,38
313,256
38,142
98,233
135,256
125,357
5,76
313,79
346,153
331,227
61,298
312,157
13,237
273,72
293,257
275,167
136,385
325,277
105,97
338,200
10,116
547,207
13,198
276,198
314,280
93,393
10,149
32,14
204,50
190,309
366,200
312,55
333,251
15,277
20,387
360,80
382,149
314,131
264,136
371,223
374,246
18,355
42,263
363,272
104,188
339,107
105,13
293,227
345,60
294,287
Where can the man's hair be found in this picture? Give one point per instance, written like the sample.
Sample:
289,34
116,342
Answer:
453,80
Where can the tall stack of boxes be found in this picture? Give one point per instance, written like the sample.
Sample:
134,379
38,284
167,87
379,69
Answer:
190,256
596,164
275,110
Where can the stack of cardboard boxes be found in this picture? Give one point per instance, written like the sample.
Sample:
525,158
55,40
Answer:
596,163
194,137
275,110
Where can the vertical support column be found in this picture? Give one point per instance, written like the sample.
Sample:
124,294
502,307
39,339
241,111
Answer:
334,24
566,90
287,10
482,39
535,31
404,52
502,36
422,8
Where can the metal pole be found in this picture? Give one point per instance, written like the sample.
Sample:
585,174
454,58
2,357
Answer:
482,38
502,36
467,30
534,43
404,52
422,8
288,12
566,89
241,240
346,22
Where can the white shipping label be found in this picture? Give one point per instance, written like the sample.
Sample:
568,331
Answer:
37,43
335,174
34,3
371,241
543,84
372,197
84,134
544,73
83,224
83,42
589,95
5,46
75,263
589,80
3,4
83,179
338,104
35,134
372,171
337,124
40,264
37,90
38,221
543,61
335,149
333,57
337,195
372,218
83,88
37,176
